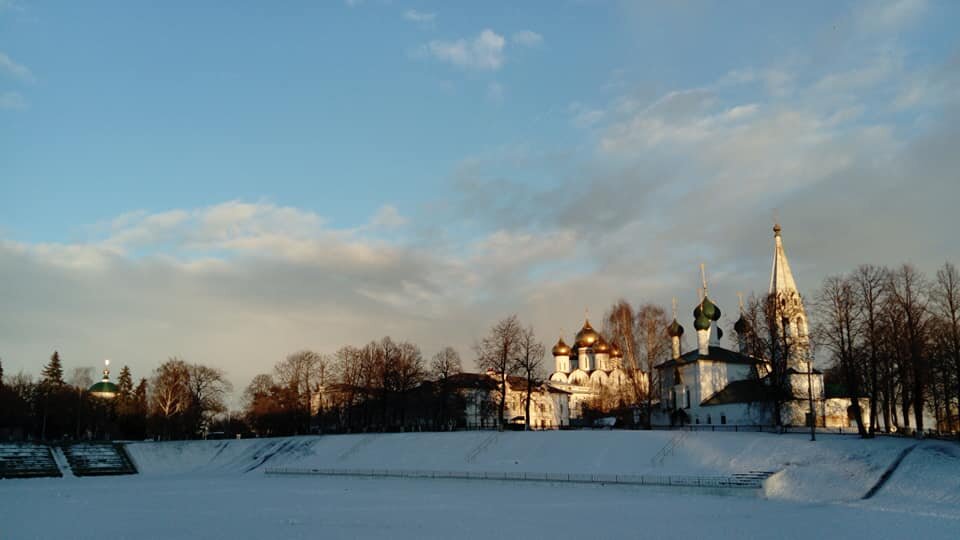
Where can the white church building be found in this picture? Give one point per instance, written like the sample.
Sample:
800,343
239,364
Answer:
589,369
714,385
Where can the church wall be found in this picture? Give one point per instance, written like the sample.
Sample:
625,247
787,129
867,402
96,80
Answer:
715,376
798,385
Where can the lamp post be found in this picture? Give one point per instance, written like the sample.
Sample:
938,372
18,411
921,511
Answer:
813,416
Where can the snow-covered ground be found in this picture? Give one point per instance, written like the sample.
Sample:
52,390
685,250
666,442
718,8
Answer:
217,489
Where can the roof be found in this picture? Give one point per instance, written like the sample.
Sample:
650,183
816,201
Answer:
104,389
839,390
715,354
781,278
743,391
472,380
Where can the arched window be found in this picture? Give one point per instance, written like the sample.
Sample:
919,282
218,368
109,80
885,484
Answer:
799,323
686,396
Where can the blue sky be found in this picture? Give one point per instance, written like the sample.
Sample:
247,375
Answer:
424,168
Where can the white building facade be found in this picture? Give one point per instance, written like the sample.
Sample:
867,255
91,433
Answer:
713,385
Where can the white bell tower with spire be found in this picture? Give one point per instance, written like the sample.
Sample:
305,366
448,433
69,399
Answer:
789,307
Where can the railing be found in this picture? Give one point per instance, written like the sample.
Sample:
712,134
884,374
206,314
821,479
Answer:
487,441
669,448
737,481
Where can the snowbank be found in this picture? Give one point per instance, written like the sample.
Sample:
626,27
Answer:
834,468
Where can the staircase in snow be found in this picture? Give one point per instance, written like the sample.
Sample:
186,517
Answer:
27,460
98,459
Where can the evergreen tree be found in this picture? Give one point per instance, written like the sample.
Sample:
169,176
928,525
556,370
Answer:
1,373
53,372
125,385
140,395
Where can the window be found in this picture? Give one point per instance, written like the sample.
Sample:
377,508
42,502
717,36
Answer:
686,397
723,418
709,421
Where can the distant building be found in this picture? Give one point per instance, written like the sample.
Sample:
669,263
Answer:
549,406
589,368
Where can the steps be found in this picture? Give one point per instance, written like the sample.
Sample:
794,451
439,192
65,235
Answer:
27,460
98,459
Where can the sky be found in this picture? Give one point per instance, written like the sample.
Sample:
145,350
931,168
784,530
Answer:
233,182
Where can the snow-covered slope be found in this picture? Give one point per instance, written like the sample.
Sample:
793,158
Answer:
834,468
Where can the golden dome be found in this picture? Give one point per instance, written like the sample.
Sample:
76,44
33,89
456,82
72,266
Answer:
561,349
602,346
616,352
587,336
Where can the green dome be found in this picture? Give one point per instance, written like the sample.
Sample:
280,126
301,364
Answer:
675,330
741,326
702,322
710,310
104,389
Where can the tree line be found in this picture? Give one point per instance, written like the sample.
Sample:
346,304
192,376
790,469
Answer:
890,336
893,335
387,385
179,400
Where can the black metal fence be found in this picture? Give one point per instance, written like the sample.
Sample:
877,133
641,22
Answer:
744,481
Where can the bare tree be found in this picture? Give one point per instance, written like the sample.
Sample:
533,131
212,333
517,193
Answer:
946,300
444,365
208,391
836,305
622,327
300,372
906,288
529,364
651,334
869,284
767,338
81,378
405,371
497,352
170,392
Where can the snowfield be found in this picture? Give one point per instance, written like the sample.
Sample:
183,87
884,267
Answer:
217,489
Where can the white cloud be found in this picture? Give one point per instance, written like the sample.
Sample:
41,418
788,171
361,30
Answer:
388,217
527,38
888,15
483,53
12,101
14,69
421,17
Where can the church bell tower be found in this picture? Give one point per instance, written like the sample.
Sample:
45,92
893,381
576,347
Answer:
791,317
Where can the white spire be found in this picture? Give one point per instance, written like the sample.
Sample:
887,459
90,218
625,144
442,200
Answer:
790,307
781,278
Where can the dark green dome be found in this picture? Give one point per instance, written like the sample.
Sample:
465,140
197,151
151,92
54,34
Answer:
710,310
104,389
702,322
675,330
697,311
741,326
